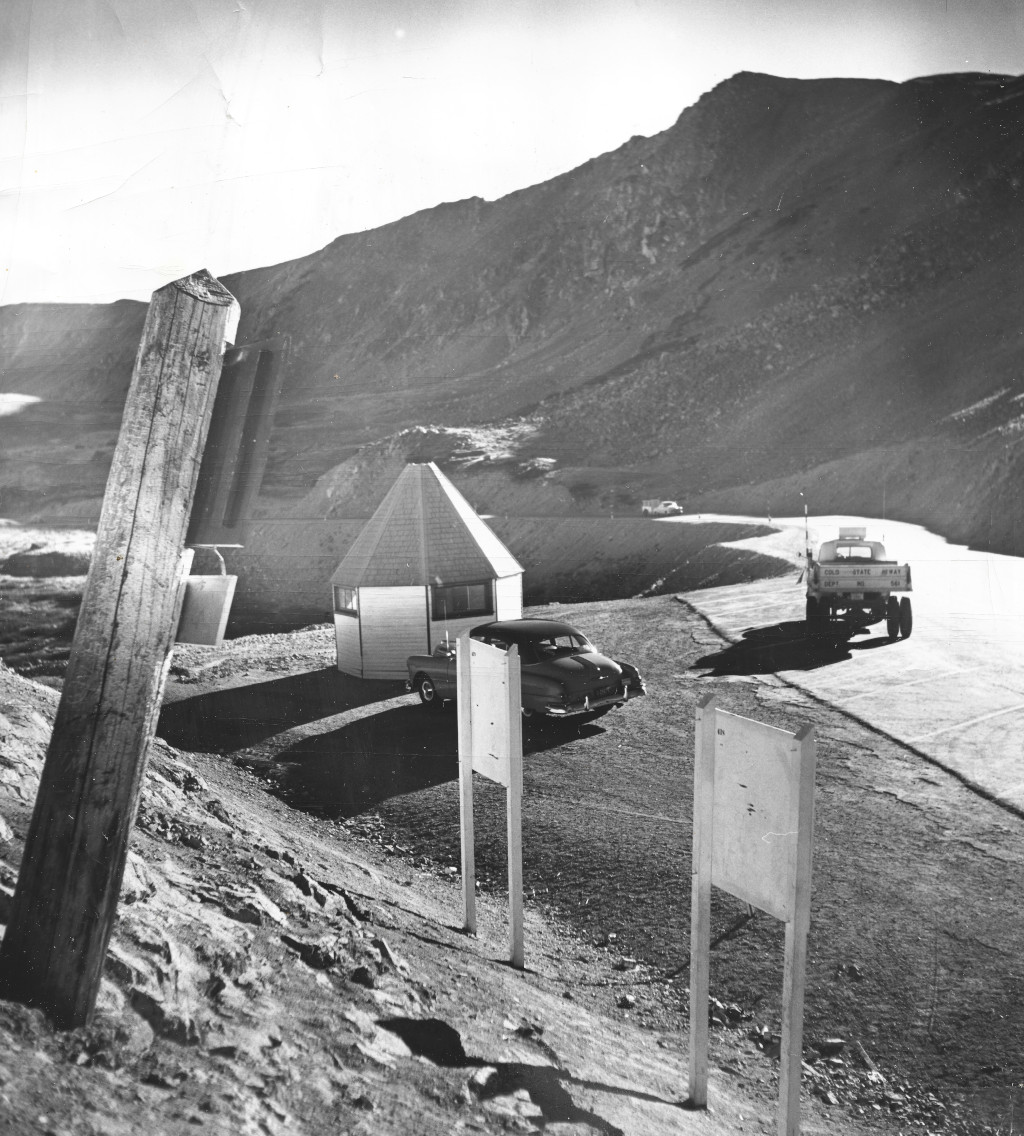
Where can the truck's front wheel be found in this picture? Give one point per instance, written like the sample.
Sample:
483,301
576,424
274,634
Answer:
892,618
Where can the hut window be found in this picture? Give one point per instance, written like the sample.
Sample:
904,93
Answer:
451,601
346,601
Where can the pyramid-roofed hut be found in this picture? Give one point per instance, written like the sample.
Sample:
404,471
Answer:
424,568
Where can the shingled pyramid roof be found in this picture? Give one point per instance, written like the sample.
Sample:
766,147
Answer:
424,532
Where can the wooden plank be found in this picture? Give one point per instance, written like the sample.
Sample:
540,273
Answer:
465,715
514,808
795,965
700,901
65,902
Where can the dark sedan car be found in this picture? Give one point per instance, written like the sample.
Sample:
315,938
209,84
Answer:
561,670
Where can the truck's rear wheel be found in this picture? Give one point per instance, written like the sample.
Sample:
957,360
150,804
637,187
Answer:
892,618
906,617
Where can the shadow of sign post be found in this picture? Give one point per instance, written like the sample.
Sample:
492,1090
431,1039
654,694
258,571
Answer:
753,833
491,744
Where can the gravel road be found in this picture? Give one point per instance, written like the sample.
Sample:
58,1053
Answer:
915,926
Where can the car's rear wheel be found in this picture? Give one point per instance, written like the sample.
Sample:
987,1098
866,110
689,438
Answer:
424,687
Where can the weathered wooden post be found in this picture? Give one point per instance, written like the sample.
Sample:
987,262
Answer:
65,902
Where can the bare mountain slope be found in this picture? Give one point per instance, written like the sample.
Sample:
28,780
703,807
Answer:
801,284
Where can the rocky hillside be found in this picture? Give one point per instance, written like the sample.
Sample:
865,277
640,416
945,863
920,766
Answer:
800,285
275,974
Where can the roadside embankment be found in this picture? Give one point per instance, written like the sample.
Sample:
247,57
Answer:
284,573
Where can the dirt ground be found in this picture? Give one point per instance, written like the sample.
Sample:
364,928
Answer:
914,1011
913,933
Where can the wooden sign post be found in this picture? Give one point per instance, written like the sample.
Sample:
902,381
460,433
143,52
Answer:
753,834
65,901
491,744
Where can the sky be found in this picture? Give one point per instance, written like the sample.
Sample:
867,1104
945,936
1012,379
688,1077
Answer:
141,140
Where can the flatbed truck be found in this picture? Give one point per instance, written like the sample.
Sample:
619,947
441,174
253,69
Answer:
851,583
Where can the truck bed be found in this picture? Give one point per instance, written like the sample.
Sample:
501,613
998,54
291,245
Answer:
871,576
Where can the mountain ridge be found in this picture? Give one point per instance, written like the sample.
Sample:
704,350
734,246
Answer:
795,277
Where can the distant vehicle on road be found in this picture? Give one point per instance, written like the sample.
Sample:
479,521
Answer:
851,583
563,674
655,507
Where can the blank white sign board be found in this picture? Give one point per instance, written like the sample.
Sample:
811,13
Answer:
755,813
489,687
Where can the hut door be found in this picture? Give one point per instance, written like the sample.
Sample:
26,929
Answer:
393,622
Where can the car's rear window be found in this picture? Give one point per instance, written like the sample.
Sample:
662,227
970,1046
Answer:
545,647
554,647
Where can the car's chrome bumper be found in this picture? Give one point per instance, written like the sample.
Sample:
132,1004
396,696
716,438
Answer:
589,705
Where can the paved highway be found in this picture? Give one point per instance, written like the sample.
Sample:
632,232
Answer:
954,690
